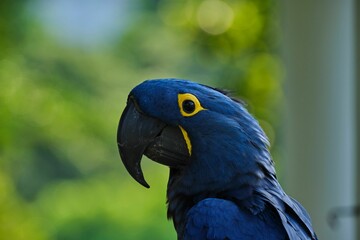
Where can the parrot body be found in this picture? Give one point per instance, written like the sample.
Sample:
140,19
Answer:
222,182
216,218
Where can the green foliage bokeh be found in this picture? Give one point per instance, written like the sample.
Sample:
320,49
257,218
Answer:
60,173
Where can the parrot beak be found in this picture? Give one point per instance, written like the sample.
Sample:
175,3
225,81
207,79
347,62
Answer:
139,135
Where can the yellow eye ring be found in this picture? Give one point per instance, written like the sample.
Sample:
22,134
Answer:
189,104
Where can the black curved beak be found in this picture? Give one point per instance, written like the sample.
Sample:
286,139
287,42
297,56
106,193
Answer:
139,135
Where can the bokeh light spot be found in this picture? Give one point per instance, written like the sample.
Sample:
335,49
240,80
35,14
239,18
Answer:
214,17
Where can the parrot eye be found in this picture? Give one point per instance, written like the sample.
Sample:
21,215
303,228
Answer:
189,104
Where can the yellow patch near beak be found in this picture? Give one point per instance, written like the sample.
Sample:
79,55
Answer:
187,139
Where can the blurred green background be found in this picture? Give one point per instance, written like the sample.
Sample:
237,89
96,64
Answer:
66,67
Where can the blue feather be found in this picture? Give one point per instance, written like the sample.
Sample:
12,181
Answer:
215,219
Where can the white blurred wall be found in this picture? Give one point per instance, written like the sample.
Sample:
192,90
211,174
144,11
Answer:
319,54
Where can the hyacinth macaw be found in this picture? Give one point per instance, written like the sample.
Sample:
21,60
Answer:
222,182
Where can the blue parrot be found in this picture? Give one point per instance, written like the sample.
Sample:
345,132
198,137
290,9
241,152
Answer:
222,182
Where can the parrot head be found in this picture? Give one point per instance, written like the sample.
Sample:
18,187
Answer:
208,138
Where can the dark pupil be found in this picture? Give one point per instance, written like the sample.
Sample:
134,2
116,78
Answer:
188,106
